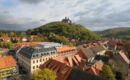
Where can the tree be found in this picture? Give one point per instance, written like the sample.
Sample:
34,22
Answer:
45,74
37,39
127,78
107,72
7,45
57,38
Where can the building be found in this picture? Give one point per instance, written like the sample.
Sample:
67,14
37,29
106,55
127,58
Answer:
77,74
72,61
89,51
49,44
7,67
3,52
13,38
65,72
62,51
96,68
20,44
67,20
117,62
31,58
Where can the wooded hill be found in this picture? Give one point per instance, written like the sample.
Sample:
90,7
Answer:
71,31
115,32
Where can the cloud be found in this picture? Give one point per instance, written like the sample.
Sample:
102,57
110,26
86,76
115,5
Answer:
94,15
31,1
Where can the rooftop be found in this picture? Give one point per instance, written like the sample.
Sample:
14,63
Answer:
7,62
30,52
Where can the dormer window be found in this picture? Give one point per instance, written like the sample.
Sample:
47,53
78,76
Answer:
33,56
41,54
37,55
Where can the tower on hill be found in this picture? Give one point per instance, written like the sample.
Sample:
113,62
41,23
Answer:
67,20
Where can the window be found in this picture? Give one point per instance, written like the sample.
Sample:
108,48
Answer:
33,62
37,55
37,61
33,55
33,67
43,59
40,60
37,66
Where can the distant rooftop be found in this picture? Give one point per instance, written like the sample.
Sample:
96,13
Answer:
50,44
7,62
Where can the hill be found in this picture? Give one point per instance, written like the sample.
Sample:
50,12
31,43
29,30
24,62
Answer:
115,32
71,31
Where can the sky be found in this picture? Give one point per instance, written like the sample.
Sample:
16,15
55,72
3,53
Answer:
95,15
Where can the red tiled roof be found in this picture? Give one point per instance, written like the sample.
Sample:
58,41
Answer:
6,62
65,48
62,69
96,68
8,38
124,57
71,61
19,44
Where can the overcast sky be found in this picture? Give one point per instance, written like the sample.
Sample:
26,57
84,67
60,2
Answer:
93,14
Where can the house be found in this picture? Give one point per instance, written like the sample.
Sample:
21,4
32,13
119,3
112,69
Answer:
64,50
77,74
20,44
13,38
7,67
72,61
31,58
5,39
65,72
125,58
120,63
96,68
3,52
49,44
89,51
60,68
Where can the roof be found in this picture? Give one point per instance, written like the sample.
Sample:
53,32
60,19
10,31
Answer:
72,61
96,68
77,74
7,62
65,48
62,69
49,43
91,51
124,57
37,51
25,43
88,52
64,72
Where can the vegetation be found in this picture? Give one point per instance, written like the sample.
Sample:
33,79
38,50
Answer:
107,72
127,78
8,45
59,39
37,39
45,74
6,33
14,40
64,30
116,33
